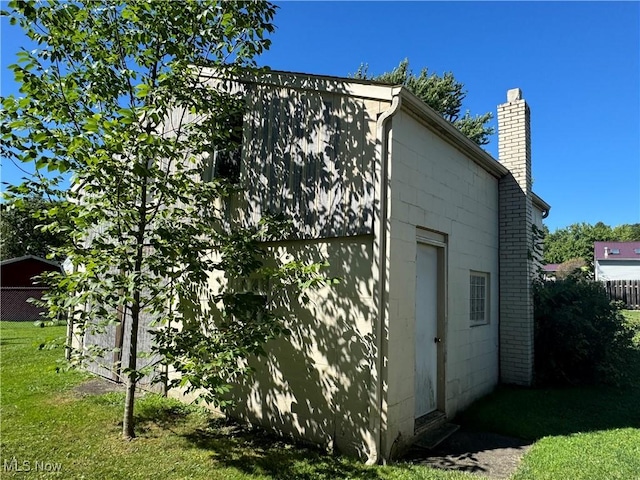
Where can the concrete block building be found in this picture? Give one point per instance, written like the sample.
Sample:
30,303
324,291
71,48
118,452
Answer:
432,238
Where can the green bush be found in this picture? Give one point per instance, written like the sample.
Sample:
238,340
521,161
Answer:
580,336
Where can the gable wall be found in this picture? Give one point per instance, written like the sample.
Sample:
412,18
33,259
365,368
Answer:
434,186
20,274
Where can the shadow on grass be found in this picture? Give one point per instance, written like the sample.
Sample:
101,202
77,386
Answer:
255,452
13,340
537,412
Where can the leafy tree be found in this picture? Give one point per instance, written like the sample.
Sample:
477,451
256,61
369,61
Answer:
574,267
442,93
21,230
627,232
115,94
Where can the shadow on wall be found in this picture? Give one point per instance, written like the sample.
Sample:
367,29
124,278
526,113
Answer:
317,384
311,156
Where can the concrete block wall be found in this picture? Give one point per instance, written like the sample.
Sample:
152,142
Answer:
317,383
436,187
516,237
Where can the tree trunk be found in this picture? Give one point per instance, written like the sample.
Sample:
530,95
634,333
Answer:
128,431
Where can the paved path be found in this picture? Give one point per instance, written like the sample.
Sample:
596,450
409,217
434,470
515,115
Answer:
488,454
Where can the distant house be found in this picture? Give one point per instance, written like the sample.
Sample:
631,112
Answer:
617,260
17,285
550,270
430,237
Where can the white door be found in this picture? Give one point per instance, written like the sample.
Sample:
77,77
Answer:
426,330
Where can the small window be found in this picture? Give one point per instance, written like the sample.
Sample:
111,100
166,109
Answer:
224,160
615,251
637,250
479,298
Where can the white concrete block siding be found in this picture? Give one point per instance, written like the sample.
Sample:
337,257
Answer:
435,186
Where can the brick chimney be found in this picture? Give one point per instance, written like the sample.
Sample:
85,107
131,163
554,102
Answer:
516,240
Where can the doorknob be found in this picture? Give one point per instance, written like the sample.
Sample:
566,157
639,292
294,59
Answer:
437,340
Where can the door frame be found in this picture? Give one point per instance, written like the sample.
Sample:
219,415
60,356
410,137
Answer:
438,240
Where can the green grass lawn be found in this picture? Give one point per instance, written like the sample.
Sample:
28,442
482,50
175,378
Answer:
633,319
581,433
43,420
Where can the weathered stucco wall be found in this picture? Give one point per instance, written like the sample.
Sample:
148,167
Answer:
434,186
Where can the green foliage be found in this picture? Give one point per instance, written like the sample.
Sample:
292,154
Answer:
580,336
573,267
442,93
576,241
114,94
23,228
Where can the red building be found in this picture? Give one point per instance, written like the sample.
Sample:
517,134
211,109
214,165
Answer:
17,285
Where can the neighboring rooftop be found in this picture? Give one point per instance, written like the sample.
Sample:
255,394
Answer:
617,250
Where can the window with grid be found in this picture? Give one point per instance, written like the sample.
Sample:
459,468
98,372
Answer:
479,298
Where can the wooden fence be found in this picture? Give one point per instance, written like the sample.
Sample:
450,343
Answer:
626,290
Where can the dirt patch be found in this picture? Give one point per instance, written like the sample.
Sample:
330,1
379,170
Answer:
98,386
488,454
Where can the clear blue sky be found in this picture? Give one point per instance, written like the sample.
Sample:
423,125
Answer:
577,63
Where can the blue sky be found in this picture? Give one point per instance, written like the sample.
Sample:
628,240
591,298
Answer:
577,63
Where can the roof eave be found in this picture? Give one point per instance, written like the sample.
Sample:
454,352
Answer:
9,261
450,133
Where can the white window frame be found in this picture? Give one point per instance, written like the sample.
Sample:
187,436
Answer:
479,298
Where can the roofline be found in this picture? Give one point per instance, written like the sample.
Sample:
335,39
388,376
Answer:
618,242
385,92
311,82
540,204
29,257
450,133
618,259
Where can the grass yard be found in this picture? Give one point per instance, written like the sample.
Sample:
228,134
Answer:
633,319
45,421
580,433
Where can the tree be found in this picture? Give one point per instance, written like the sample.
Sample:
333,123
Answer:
114,94
571,267
627,232
576,240
442,93
21,229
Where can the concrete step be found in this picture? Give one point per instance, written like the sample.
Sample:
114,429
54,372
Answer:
433,437
429,422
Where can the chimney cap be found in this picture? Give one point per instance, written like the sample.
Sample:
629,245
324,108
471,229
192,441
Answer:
514,95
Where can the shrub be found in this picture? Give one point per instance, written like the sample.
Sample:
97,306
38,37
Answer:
580,336
575,266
